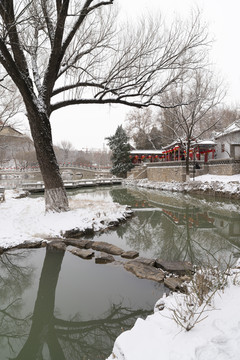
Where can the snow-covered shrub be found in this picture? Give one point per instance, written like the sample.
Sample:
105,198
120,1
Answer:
189,309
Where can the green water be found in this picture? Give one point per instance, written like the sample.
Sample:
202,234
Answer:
55,305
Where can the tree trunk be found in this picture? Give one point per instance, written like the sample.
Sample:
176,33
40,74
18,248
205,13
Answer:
187,161
55,194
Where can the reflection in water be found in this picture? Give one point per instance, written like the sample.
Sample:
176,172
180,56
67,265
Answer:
14,279
78,308
45,334
178,227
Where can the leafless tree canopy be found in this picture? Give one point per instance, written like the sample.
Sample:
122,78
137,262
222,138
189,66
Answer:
68,52
198,97
72,53
10,104
143,129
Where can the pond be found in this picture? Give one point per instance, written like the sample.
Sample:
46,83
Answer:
55,305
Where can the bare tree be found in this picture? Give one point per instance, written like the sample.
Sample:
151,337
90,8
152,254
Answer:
222,116
190,120
10,104
142,128
60,53
67,147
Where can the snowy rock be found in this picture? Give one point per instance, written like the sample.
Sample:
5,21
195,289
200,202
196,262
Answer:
57,245
144,271
130,254
30,245
145,261
113,223
82,253
77,233
174,284
106,247
175,267
82,244
104,258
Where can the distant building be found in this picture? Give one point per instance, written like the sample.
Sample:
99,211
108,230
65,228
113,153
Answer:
228,142
176,151
13,143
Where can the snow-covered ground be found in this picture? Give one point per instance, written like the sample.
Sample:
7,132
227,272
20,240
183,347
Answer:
216,337
220,178
229,185
25,219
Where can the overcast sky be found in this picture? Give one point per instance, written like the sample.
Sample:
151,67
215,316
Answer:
86,126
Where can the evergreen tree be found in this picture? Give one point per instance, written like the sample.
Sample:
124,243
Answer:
118,143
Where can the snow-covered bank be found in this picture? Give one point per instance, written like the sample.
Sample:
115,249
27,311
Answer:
226,186
160,337
25,219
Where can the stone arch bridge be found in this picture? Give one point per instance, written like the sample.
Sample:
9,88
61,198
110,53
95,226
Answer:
67,172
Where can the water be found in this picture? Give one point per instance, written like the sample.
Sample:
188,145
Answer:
173,226
55,305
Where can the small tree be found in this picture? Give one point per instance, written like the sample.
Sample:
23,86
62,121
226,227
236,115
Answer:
141,127
190,120
118,143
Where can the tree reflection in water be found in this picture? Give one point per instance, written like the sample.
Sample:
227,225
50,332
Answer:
14,279
51,337
177,227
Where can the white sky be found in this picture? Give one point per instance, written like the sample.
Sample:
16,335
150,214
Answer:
86,126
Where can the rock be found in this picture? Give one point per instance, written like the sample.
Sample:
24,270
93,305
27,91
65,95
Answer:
150,262
144,271
130,254
82,244
73,233
106,247
77,233
22,194
104,258
113,223
82,253
175,267
57,245
185,278
128,213
174,284
30,245
89,231
1,251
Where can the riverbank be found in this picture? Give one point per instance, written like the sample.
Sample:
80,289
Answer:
215,335
213,185
24,219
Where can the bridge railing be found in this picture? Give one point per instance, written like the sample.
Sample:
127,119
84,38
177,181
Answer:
62,165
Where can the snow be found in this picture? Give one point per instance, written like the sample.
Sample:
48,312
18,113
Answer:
220,178
25,219
228,185
159,337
